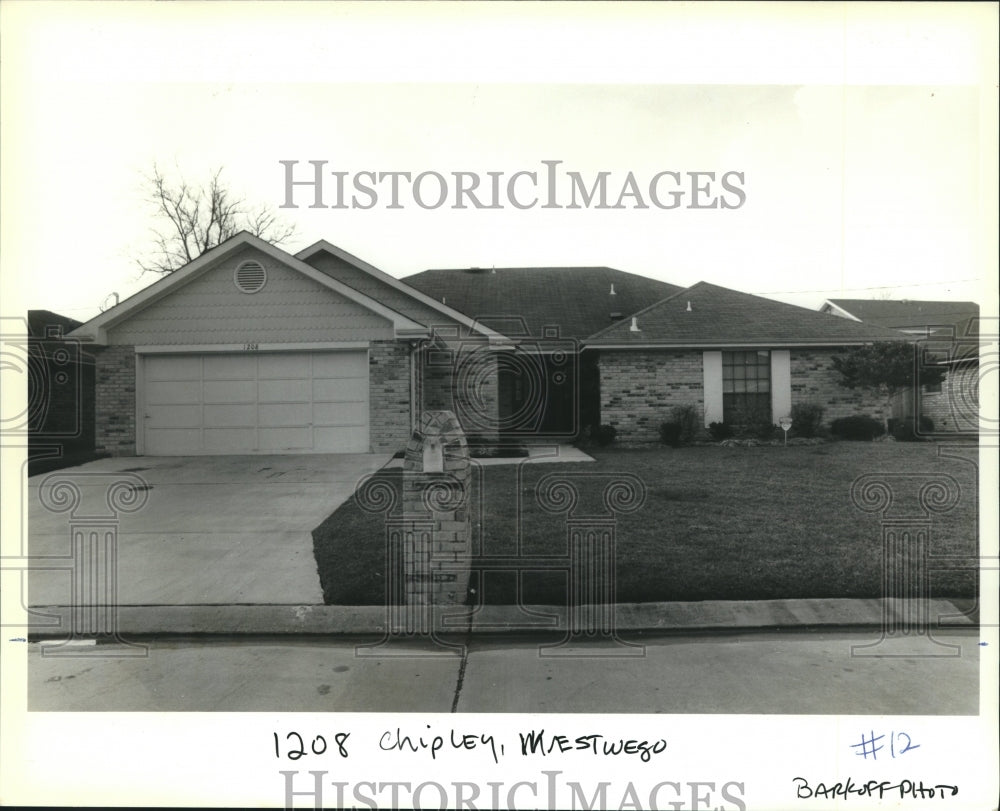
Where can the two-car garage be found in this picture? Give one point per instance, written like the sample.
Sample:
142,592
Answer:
253,402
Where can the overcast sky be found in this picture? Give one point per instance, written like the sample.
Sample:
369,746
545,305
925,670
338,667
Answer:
861,142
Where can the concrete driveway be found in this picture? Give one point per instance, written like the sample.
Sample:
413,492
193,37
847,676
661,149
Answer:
213,529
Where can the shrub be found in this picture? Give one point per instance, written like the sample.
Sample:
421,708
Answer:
857,427
670,433
765,430
689,420
720,431
605,434
807,419
902,430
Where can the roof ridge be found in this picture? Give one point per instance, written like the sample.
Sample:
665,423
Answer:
637,313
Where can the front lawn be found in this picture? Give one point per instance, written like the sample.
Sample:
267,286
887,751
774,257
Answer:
717,523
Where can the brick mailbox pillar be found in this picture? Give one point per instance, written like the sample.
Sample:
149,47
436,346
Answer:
429,540
436,477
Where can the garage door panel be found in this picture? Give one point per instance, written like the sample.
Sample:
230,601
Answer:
284,414
283,391
175,368
285,439
295,402
173,392
230,391
229,440
340,413
341,364
284,367
231,416
337,391
174,416
230,367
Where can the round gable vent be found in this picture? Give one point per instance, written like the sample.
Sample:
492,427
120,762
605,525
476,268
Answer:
250,277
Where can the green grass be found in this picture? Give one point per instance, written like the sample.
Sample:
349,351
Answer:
717,523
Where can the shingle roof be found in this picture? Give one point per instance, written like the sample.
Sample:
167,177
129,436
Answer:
908,314
719,316
576,299
40,320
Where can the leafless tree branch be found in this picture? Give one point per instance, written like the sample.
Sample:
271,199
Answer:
197,218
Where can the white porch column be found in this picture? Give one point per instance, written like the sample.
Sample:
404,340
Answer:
781,384
712,386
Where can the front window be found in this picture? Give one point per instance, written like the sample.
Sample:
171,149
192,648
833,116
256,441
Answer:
746,388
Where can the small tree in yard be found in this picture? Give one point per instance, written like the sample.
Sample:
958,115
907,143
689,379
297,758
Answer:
888,367
197,218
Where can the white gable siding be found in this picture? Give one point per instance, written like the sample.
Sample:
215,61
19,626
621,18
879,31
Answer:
290,309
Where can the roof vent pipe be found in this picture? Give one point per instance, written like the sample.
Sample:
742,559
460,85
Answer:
689,307
612,293
635,325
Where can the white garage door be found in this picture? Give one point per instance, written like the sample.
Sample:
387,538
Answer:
283,402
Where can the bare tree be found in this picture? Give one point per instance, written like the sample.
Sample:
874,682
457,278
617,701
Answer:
197,218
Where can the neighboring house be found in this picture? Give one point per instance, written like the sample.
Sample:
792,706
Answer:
950,336
921,318
249,349
60,411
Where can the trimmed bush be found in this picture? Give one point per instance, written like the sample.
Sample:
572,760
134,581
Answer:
689,420
807,420
720,431
605,434
858,427
670,433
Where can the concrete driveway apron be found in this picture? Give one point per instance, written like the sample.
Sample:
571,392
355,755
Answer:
214,529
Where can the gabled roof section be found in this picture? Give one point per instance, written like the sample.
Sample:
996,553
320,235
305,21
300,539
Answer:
706,315
96,328
577,300
904,314
378,284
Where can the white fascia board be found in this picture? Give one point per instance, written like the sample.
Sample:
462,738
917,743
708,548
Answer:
96,329
402,287
321,346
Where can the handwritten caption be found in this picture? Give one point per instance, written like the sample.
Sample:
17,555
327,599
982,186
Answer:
295,745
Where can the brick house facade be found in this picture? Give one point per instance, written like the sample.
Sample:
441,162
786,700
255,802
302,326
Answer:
249,349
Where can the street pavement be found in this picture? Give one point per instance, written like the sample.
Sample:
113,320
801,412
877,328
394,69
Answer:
799,671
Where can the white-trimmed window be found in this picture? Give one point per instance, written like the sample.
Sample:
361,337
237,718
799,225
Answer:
746,387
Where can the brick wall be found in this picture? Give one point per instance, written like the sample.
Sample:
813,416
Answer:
389,395
955,409
639,389
814,380
463,380
114,390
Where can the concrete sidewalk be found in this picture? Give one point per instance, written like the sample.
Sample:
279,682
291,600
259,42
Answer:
779,672
708,615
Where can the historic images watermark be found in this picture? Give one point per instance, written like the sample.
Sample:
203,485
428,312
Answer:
549,186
